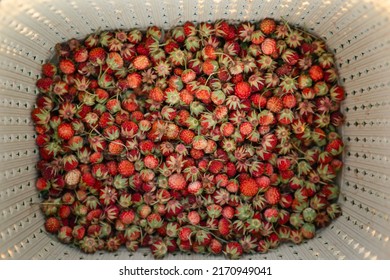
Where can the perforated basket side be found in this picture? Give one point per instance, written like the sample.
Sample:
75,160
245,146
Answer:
356,31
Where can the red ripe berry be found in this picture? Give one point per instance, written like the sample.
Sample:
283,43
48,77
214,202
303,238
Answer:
242,90
272,195
274,104
126,168
156,94
268,47
215,247
42,184
289,101
127,217
228,212
141,62
263,183
193,217
97,56
151,161
335,147
185,233
186,136
233,250
64,211
80,55
44,84
146,147
49,70
267,26
249,187
209,52
134,80
194,187
177,181
258,100
65,131
246,128
189,29
283,163
227,129
224,226
115,147
67,66
52,225
316,73
216,166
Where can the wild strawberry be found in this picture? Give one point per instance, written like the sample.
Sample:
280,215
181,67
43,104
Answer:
52,225
72,178
65,234
141,62
242,90
289,101
193,217
268,46
195,187
215,166
188,76
283,163
81,55
177,181
159,249
316,73
227,129
199,142
49,69
134,80
215,247
272,195
274,104
70,162
67,66
40,116
271,215
249,187
146,147
187,136
224,227
114,61
129,129
42,184
189,29
185,233
126,168
116,147
154,220
335,147
97,56
64,211
246,128
337,93
233,250
203,93
151,161
156,94
65,131
267,26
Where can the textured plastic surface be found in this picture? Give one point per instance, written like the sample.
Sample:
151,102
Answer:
356,31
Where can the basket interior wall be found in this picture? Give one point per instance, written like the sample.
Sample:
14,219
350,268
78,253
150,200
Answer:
356,31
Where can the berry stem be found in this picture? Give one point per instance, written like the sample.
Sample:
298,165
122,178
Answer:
228,56
208,230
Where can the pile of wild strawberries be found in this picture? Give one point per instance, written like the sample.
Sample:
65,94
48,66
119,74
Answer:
212,138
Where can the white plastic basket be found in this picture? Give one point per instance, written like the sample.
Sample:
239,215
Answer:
356,31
